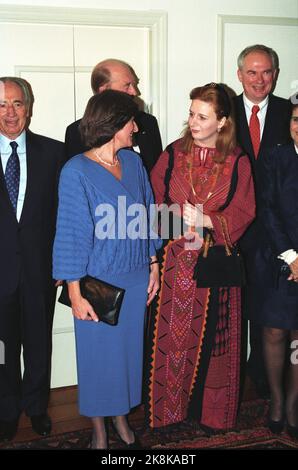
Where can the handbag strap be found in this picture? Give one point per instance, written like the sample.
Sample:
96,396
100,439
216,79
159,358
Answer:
168,173
233,185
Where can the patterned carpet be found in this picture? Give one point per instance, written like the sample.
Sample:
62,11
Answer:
250,433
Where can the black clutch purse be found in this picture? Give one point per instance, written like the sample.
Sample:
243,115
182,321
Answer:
105,298
219,269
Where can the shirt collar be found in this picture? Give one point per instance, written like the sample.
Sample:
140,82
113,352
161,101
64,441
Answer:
249,104
5,143
296,148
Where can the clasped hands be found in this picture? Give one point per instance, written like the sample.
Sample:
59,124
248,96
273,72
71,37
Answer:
193,216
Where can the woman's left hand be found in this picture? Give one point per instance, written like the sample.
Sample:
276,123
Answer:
153,285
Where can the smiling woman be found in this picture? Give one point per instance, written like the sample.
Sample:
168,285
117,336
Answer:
109,359
276,303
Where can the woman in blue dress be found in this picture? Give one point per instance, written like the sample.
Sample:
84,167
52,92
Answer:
104,229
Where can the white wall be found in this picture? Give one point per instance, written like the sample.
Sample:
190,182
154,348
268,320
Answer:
193,59
192,39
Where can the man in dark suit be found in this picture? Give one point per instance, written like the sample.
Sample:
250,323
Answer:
262,121
118,75
29,168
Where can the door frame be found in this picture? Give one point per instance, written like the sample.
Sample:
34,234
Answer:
155,21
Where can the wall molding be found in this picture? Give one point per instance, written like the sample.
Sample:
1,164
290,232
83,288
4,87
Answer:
63,330
224,20
154,20
51,69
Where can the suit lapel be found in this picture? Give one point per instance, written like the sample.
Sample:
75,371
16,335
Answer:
268,126
34,169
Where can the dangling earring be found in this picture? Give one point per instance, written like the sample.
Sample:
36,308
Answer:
219,129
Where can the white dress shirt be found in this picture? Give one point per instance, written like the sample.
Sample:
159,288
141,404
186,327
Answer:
5,151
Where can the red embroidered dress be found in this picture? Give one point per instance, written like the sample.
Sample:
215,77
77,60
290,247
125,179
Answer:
195,334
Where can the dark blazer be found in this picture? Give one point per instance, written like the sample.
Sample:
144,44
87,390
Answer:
147,138
26,246
278,210
276,131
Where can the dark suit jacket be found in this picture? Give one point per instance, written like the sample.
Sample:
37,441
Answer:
26,246
278,212
276,131
147,138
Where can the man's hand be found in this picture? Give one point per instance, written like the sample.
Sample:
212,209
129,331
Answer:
294,271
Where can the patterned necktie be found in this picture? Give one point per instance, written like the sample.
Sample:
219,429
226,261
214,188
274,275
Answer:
254,129
12,175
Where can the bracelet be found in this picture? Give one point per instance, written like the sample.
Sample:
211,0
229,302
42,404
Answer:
153,262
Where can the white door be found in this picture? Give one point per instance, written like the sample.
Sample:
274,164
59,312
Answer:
57,60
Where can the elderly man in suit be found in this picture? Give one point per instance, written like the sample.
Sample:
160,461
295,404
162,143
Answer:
118,75
262,121
29,168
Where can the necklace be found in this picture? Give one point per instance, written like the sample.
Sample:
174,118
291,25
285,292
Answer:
116,162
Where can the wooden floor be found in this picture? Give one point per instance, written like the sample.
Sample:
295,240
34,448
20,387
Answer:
63,410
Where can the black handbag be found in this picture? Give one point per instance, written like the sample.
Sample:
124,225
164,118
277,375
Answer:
219,268
104,298
221,265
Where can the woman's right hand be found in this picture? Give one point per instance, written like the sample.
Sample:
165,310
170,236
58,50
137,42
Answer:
81,308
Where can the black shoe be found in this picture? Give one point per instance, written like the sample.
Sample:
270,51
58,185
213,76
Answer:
276,427
41,424
8,429
135,445
292,431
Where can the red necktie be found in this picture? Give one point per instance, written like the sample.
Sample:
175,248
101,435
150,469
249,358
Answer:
254,129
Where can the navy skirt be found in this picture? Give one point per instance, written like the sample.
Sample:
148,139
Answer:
274,307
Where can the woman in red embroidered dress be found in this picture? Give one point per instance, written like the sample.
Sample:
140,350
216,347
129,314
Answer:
195,335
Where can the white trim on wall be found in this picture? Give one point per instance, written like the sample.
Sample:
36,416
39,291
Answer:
156,21
224,20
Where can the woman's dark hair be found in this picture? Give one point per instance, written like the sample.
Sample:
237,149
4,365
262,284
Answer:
106,113
216,95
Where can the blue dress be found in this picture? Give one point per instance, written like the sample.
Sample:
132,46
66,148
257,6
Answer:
92,205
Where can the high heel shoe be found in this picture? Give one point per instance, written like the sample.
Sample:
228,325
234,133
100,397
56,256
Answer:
292,431
276,427
135,445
